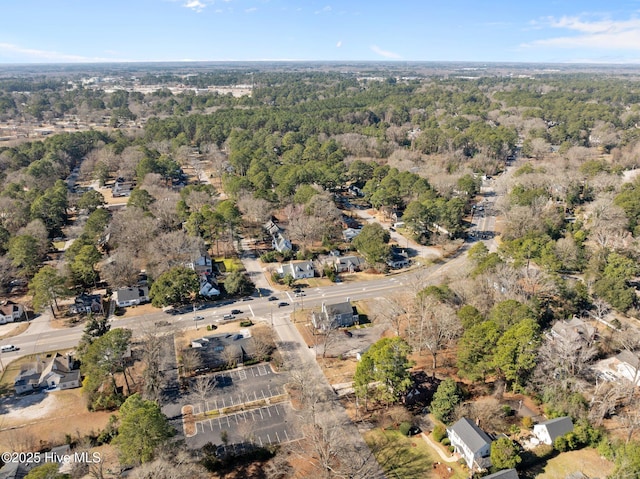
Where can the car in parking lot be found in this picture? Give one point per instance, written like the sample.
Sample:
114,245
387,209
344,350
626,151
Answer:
198,318
299,294
236,311
228,316
347,333
282,304
273,298
8,348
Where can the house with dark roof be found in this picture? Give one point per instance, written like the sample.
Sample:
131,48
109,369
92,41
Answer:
332,316
58,372
471,442
10,312
86,303
504,474
132,295
549,431
348,264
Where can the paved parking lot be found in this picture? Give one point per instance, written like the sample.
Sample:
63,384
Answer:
268,424
264,426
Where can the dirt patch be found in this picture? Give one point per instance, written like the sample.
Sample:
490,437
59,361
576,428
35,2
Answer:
13,329
188,421
44,419
338,371
139,310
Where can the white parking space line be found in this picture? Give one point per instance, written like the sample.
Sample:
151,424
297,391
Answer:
211,425
252,313
277,436
261,415
269,438
277,411
269,411
260,439
242,375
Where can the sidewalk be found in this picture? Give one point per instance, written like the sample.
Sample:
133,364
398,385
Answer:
438,449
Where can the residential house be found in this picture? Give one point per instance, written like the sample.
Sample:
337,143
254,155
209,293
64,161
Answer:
132,295
297,269
548,431
350,233
58,372
471,442
122,188
624,366
10,312
280,243
398,259
86,303
203,266
348,264
271,228
575,331
504,474
332,316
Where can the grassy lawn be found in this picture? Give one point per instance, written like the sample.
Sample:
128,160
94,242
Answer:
404,457
587,461
230,264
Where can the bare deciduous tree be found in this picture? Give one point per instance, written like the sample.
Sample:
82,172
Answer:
202,387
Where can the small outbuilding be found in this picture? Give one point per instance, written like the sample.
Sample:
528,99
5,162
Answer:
548,431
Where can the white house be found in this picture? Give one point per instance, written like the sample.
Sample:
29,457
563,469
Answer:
132,295
10,312
297,269
548,431
58,372
281,244
471,442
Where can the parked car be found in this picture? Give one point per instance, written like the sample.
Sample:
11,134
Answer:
236,311
347,333
299,294
228,316
282,304
198,318
273,298
413,430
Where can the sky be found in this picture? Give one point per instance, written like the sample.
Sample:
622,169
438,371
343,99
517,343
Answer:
546,31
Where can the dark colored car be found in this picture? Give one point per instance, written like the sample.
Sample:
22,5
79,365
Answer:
236,311
413,430
282,304
273,298
347,332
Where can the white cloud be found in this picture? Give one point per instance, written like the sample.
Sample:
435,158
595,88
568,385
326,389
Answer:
250,10
384,53
326,9
35,55
601,34
339,44
195,5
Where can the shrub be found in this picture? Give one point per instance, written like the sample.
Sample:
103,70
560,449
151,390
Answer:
439,433
246,323
527,422
507,411
404,428
446,441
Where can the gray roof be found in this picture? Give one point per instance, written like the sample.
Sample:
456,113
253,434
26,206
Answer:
504,474
129,294
630,358
474,437
558,427
339,308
